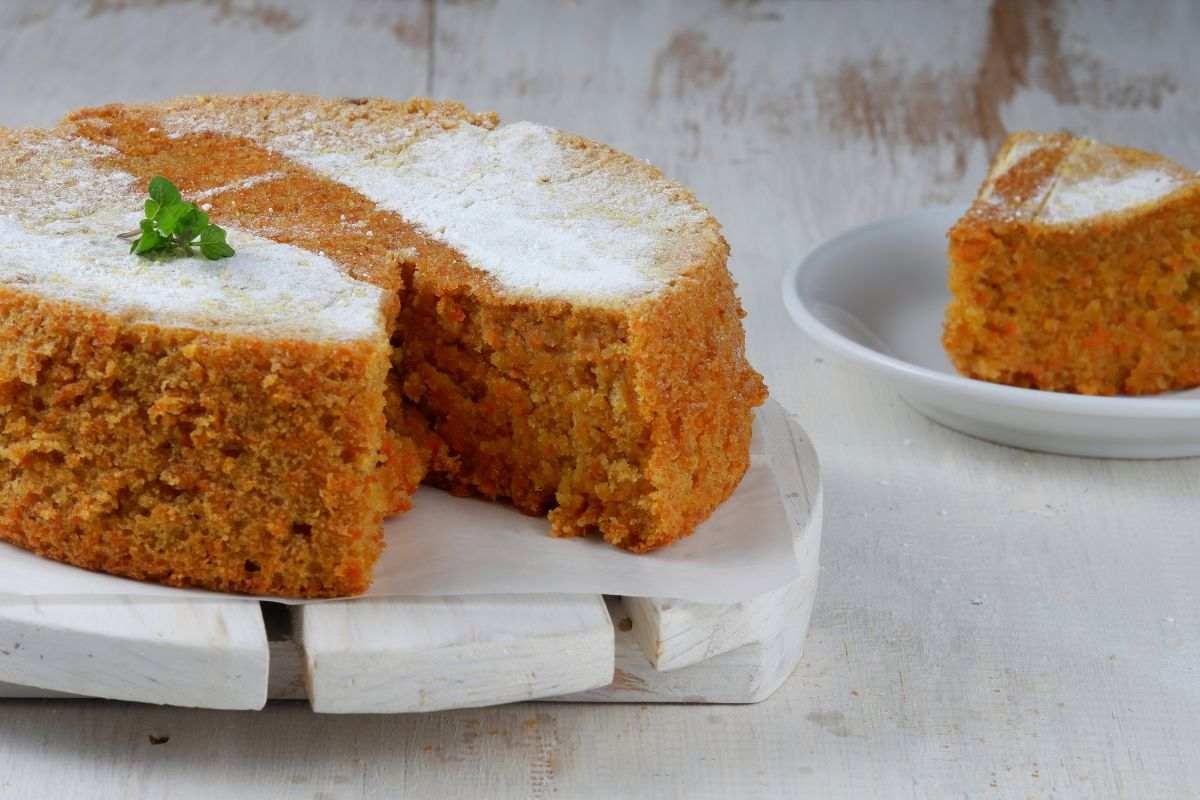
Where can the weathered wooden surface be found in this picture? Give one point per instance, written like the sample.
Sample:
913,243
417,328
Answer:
206,654
990,622
434,653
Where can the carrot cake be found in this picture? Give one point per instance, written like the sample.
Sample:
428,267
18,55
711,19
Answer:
1077,269
418,293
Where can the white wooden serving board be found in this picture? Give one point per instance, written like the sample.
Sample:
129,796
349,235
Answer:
427,654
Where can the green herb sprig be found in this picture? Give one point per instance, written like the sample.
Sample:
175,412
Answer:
172,227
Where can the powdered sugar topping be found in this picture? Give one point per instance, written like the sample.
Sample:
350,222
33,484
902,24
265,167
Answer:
1022,147
66,248
518,202
1072,201
246,183
513,202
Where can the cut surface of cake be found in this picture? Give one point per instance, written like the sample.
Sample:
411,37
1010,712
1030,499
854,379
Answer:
1077,269
418,294
200,423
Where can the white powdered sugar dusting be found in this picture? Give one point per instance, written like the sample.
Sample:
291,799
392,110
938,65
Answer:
246,183
1025,146
1072,201
267,288
518,204
66,248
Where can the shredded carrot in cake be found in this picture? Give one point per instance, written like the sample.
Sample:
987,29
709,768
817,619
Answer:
1076,270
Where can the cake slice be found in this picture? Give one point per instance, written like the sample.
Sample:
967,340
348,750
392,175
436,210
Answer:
418,292
197,423
1077,269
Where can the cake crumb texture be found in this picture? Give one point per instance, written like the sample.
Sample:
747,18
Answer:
1077,269
190,458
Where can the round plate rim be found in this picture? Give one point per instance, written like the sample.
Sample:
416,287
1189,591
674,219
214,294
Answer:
919,377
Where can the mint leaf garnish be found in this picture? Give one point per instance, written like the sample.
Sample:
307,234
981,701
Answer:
212,243
148,241
172,226
170,215
162,191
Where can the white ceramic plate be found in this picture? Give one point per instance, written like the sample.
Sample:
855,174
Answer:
875,295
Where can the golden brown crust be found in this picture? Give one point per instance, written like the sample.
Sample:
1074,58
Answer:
268,107
1021,177
697,393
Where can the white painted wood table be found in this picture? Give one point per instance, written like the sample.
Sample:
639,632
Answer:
991,622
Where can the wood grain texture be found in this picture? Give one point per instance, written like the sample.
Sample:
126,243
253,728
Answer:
427,654
749,673
195,653
991,622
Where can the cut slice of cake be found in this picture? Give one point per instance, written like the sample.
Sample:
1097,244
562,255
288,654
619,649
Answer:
1077,269
197,423
508,311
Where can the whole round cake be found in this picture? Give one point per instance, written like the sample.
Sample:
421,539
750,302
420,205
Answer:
417,294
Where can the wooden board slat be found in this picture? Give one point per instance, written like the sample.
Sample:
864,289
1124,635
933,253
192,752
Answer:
183,653
428,654
11,691
674,633
749,674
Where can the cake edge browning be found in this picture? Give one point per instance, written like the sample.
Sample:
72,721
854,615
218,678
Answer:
697,394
